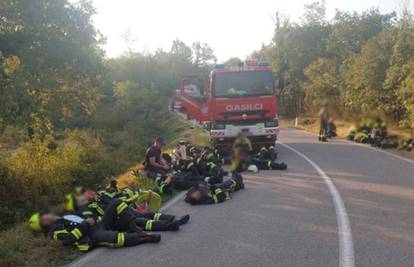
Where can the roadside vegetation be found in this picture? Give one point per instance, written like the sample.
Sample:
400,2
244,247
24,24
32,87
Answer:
361,63
71,117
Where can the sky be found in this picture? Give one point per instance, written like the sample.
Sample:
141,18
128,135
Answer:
233,28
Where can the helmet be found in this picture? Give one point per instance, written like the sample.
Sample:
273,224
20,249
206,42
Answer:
253,168
34,222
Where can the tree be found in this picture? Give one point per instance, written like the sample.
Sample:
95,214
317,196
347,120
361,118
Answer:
364,74
315,13
60,66
181,50
322,84
399,78
203,54
234,62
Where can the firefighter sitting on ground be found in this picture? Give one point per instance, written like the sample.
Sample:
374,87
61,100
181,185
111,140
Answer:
243,160
155,165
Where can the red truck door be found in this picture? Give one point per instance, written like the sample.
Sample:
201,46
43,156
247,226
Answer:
194,98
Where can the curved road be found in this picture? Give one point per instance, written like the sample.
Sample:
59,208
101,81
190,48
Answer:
290,218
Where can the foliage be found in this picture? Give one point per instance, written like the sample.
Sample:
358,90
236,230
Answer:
69,116
36,176
361,63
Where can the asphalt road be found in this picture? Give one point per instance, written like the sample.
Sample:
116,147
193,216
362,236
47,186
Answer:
295,218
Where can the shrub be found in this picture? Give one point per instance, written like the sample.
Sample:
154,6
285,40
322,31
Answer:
35,177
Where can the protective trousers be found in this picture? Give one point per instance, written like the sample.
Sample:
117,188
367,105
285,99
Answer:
118,228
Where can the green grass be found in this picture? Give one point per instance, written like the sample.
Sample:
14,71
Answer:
21,247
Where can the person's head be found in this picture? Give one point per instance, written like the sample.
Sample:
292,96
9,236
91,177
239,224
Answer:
196,152
177,155
41,221
182,143
193,196
159,142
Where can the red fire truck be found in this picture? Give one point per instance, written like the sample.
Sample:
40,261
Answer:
237,99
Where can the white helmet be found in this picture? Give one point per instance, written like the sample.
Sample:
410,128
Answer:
253,168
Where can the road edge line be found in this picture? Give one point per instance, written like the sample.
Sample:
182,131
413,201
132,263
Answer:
98,251
346,245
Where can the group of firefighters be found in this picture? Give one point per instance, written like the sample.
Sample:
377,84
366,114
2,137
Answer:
112,217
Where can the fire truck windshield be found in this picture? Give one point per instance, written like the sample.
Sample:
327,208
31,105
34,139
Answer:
243,84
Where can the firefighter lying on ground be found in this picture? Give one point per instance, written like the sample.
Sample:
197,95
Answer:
117,228
147,219
204,194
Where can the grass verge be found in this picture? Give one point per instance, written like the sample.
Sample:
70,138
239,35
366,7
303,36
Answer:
21,247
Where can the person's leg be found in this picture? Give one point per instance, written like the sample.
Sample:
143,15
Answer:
118,216
157,225
164,184
107,238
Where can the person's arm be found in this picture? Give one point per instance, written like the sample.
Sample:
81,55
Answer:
70,238
154,163
163,162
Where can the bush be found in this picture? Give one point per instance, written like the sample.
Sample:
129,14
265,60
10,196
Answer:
35,177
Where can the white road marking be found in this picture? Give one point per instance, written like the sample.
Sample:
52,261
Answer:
346,246
84,260
172,201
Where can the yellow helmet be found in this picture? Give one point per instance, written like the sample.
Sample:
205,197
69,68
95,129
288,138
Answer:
34,222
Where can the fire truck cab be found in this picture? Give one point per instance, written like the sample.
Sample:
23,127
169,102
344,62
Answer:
236,99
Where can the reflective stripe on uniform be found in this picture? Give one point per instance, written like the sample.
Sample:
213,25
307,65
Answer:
269,165
57,233
148,225
157,216
191,164
233,183
121,239
211,165
95,206
163,185
76,233
214,197
121,207
218,191
82,247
